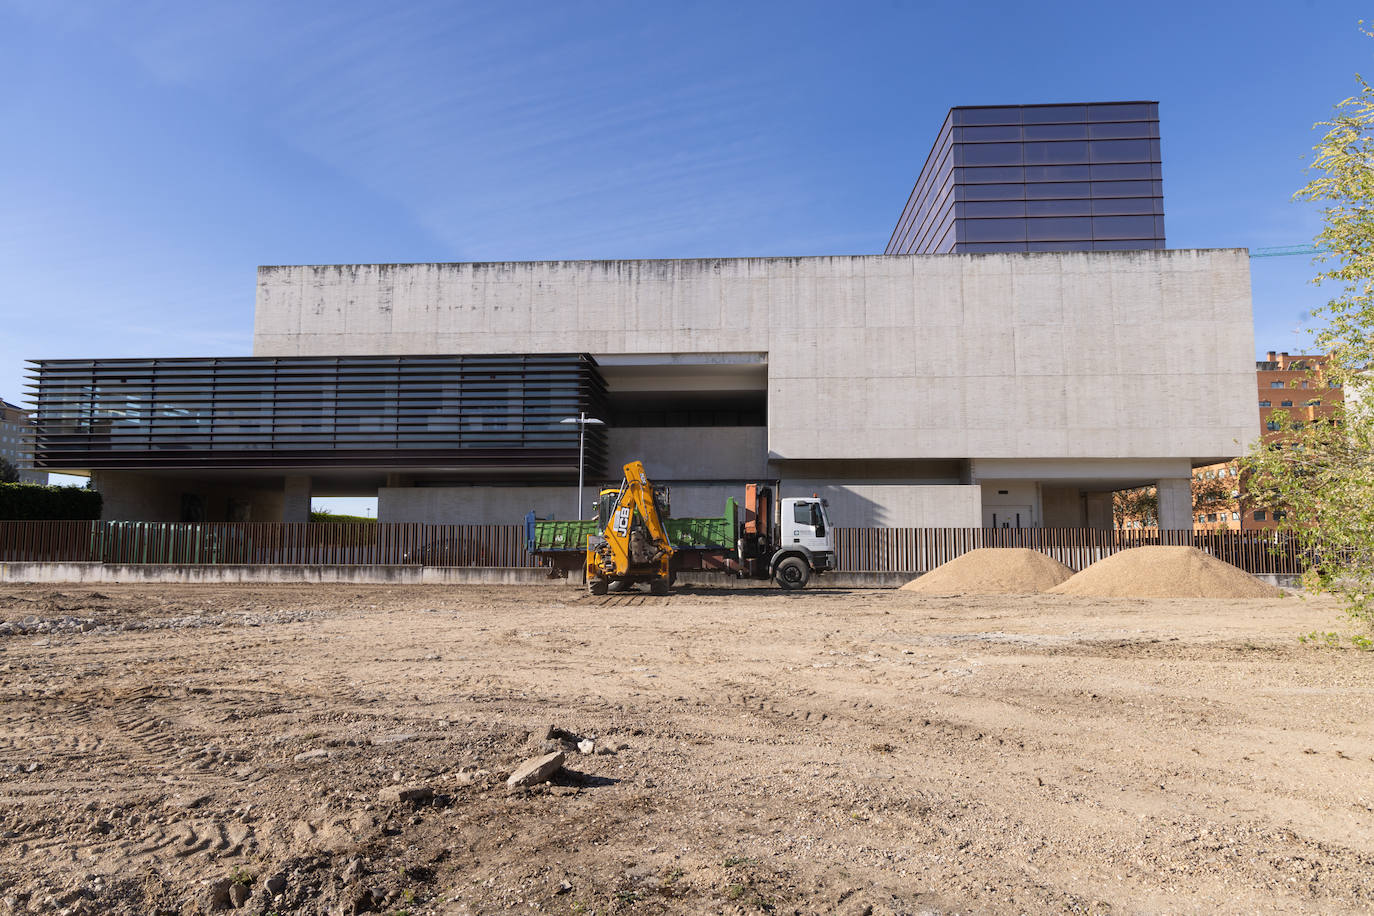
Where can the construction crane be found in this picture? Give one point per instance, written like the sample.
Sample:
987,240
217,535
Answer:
1284,251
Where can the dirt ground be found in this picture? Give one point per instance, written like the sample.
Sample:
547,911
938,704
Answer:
179,749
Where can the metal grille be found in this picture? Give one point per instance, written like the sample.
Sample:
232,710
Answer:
445,412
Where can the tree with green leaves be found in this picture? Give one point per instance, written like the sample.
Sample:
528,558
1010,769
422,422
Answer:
1322,473
8,472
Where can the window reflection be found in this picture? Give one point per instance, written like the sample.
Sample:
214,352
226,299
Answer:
988,154
1064,151
1041,114
1056,131
1059,208
995,230
1059,228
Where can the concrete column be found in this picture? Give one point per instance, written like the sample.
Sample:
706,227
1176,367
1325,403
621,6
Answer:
1175,503
295,505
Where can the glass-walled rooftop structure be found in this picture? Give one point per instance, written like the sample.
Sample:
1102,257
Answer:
1083,177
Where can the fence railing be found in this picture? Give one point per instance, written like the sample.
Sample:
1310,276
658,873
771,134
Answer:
413,544
923,549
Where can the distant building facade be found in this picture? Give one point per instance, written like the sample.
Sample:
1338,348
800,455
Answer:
16,442
1298,387
1084,177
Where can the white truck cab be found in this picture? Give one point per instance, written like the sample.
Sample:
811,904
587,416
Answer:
806,541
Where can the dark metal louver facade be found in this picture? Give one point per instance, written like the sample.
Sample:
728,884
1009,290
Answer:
463,413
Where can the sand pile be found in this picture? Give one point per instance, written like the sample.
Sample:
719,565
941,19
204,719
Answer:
1165,572
993,571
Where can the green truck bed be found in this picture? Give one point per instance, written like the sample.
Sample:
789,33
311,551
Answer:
543,536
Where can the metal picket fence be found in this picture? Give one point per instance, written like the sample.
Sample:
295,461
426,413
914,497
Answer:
414,544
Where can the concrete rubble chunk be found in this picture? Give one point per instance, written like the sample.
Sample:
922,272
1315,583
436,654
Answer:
238,894
536,770
397,794
586,746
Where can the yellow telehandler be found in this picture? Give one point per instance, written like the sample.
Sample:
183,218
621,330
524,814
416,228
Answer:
632,545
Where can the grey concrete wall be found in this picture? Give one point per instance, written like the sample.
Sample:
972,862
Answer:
508,505
1080,354
691,453
857,504
130,496
198,574
1061,507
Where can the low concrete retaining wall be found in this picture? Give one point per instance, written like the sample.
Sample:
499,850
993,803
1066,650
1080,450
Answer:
53,573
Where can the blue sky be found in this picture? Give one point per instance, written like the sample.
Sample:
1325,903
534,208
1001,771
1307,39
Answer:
155,153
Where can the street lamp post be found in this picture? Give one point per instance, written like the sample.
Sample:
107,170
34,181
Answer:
582,421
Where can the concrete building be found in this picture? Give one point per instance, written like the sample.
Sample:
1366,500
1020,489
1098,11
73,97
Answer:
1084,177
1298,389
963,390
16,442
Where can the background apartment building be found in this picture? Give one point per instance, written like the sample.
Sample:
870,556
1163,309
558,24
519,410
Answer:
16,442
1286,385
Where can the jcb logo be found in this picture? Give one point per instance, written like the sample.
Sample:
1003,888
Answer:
621,523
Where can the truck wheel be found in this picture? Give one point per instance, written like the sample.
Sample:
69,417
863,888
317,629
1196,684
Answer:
597,586
658,587
792,573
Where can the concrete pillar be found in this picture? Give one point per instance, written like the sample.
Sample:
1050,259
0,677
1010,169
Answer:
1175,503
1097,510
295,505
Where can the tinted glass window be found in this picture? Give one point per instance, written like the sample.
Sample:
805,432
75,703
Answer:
995,208
1121,246
1143,111
1123,188
1124,227
988,116
1121,206
1060,189
988,154
993,191
1056,132
801,513
1005,132
1059,228
1066,151
1043,114
1058,208
989,247
1057,173
1120,150
995,230
1127,170
984,175
1118,131
1056,246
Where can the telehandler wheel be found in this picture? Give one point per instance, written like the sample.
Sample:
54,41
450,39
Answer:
597,586
792,573
658,587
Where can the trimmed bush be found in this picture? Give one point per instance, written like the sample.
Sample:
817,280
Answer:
33,502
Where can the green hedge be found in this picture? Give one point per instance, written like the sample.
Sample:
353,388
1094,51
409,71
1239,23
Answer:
34,502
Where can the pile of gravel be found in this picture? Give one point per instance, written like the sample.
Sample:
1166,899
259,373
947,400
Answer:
993,571
1165,572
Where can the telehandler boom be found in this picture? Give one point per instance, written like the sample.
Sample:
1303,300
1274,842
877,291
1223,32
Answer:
632,545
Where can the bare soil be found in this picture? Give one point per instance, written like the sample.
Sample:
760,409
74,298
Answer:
184,749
